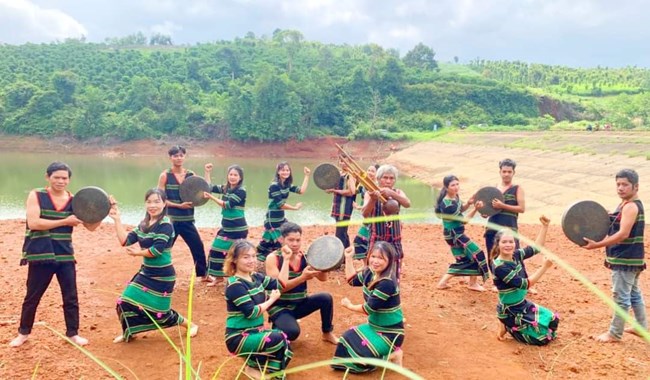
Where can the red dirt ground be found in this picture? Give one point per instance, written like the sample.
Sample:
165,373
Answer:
449,334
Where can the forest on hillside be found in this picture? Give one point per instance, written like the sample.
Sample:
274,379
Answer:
282,86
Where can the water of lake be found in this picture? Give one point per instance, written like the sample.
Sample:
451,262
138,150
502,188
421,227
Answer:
128,178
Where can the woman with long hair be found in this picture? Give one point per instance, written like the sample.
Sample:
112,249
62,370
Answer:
246,302
233,219
383,335
526,321
470,259
279,191
145,304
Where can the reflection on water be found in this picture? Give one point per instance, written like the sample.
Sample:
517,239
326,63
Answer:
128,178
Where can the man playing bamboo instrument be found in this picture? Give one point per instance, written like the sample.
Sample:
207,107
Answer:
389,231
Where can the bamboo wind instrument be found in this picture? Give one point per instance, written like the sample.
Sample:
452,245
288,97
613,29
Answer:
390,206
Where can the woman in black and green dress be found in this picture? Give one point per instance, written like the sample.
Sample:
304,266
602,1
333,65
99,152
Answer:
279,191
233,220
469,258
382,337
246,302
524,320
145,304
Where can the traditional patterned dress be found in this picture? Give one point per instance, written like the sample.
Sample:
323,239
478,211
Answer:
342,205
53,245
295,303
233,227
293,297
363,235
172,190
274,218
388,231
470,259
527,322
49,253
245,333
183,222
384,332
504,218
146,301
627,255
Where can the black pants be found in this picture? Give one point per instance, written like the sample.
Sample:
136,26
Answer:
39,277
286,320
342,234
193,240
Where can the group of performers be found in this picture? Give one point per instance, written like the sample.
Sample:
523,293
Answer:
273,277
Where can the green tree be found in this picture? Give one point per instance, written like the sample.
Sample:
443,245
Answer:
422,57
65,84
18,94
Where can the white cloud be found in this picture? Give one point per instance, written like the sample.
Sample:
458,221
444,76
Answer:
23,21
325,12
167,28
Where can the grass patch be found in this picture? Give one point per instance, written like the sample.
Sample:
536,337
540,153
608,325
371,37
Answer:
527,143
576,149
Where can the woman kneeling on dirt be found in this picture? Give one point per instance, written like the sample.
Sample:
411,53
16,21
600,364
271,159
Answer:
527,322
145,304
246,303
383,335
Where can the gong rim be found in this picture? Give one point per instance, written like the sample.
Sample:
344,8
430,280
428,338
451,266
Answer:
486,195
325,253
192,189
91,204
585,219
326,176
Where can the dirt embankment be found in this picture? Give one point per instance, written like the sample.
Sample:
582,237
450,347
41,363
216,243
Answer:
321,148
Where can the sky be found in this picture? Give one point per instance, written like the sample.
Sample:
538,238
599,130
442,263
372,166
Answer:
578,33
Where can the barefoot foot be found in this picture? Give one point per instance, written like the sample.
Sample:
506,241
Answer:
476,287
79,340
118,339
443,285
532,290
253,373
18,341
194,330
330,338
397,357
605,338
632,330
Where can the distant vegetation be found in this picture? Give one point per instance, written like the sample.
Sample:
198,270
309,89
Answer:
277,87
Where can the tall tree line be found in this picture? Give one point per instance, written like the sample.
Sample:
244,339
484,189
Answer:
251,88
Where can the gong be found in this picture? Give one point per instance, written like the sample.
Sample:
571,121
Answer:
326,176
585,219
486,195
192,189
91,204
325,253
